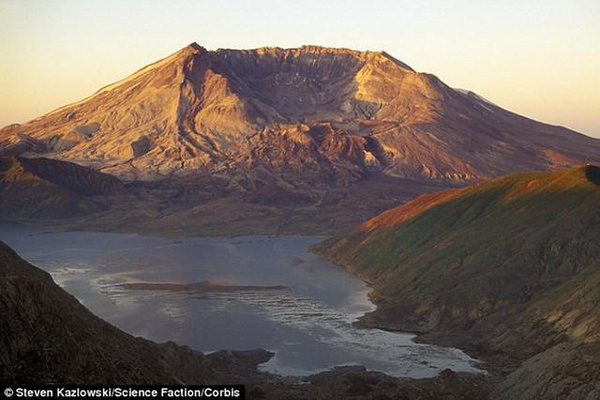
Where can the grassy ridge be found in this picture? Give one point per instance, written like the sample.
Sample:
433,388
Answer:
515,261
508,269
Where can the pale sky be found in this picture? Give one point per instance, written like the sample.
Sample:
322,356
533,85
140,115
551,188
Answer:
540,58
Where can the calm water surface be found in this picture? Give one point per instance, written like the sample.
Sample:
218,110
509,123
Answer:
308,325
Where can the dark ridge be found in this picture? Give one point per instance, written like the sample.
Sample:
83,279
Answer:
47,336
196,46
76,178
592,173
396,61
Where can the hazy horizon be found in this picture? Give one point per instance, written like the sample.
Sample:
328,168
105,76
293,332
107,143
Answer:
538,59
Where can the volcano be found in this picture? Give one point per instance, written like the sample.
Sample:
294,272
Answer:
310,126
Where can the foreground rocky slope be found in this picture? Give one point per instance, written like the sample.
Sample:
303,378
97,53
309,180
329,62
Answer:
509,269
48,337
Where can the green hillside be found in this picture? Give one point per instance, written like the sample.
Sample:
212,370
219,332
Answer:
510,266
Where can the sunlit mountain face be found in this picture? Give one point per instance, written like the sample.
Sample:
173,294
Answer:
329,111
271,140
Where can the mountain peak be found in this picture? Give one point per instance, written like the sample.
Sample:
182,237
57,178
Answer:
296,51
196,46
190,50
312,49
395,60
200,108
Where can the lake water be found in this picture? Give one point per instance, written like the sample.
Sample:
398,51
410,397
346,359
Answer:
308,325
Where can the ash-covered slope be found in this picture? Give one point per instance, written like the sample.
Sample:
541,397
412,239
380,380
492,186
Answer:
510,267
41,188
328,115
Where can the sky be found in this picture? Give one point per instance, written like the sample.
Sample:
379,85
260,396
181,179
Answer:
537,58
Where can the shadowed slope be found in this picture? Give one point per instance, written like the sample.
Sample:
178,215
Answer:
47,189
47,336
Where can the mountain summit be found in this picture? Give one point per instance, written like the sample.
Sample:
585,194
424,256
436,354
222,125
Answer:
336,114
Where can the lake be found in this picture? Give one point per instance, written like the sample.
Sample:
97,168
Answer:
266,292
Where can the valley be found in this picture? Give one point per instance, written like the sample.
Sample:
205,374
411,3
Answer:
281,298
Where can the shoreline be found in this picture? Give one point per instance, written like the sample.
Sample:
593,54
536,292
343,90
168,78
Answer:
353,319
370,320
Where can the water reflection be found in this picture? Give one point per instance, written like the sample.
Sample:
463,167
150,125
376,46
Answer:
308,325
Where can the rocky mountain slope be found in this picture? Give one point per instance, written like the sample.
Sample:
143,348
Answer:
509,269
45,188
290,117
276,141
